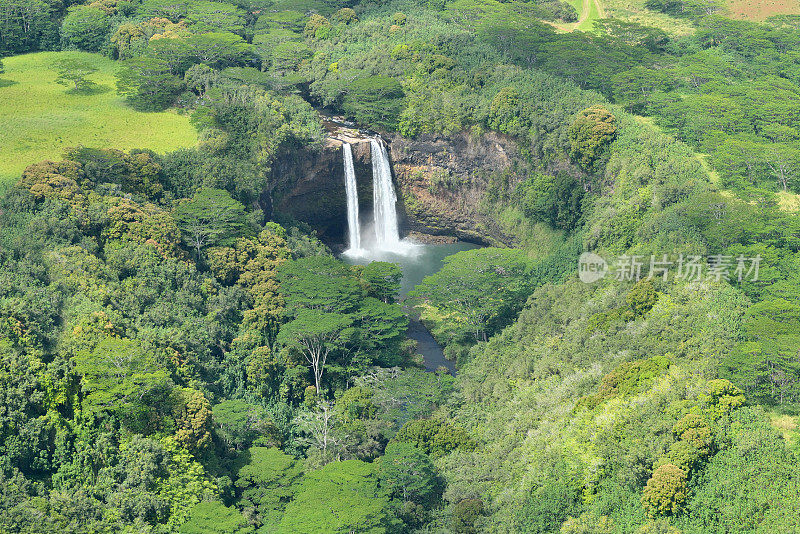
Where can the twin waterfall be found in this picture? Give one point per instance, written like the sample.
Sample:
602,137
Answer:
350,186
383,198
385,227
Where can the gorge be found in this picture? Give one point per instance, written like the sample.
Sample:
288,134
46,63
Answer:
307,183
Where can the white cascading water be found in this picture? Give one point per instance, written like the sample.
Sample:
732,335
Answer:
384,199
350,185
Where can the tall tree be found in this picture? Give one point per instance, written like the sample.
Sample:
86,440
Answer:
382,280
148,84
315,334
215,518
85,28
267,482
783,160
382,328
318,283
340,497
219,49
210,217
73,72
117,375
407,473
478,289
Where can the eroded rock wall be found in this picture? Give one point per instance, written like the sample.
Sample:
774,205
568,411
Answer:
442,183
308,185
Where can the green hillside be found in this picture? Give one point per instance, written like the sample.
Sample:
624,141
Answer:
184,350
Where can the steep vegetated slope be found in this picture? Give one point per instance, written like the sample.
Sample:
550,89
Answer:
171,360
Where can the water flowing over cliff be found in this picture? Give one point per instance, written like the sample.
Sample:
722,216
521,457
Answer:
387,235
351,189
431,187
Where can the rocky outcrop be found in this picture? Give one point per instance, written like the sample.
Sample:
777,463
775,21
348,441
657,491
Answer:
440,181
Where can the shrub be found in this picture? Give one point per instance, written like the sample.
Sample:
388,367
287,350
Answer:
659,526
547,507
345,15
592,131
626,379
315,23
556,201
641,298
693,429
588,523
465,513
434,437
665,492
374,100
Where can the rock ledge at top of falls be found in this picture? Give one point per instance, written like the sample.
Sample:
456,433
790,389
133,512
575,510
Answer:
339,130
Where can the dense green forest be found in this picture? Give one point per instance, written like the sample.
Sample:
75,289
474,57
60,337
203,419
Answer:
174,357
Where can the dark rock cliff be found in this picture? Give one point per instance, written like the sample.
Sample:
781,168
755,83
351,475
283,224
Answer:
440,183
308,185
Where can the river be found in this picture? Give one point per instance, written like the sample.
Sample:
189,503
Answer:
426,260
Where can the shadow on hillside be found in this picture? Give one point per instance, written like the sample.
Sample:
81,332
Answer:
90,90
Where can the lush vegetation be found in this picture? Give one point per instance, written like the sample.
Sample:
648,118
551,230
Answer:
173,360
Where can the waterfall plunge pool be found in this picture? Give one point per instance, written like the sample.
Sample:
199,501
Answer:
381,241
423,261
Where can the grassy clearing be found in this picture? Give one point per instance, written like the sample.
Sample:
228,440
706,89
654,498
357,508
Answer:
588,12
596,12
635,11
40,118
761,9
788,201
712,174
786,425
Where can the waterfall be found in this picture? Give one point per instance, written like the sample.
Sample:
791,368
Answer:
384,199
386,243
351,188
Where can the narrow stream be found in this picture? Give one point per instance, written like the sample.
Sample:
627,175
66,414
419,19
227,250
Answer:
428,347
426,260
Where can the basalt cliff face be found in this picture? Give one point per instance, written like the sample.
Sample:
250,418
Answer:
308,184
440,183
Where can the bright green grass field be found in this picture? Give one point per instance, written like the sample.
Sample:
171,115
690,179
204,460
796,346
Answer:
39,118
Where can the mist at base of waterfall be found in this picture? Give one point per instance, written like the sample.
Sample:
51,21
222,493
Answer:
374,250
425,260
404,248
